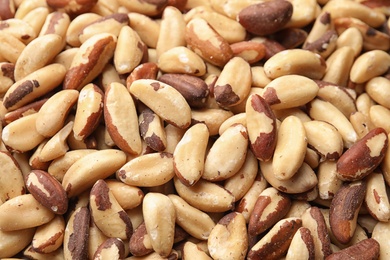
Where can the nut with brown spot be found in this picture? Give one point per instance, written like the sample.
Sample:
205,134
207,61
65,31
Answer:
10,171
302,245
376,200
49,237
152,130
112,248
366,249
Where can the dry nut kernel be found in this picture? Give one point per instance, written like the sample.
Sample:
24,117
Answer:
49,237
365,249
10,170
302,245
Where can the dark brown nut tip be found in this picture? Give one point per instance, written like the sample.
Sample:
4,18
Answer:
367,249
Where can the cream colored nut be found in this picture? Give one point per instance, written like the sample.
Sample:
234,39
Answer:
66,57
290,148
344,209
90,168
227,154
112,23
367,222
129,50
108,76
95,238
76,234
379,115
12,242
367,249
181,59
230,8
207,43
240,183
56,23
361,123
376,198
49,237
152,130
34,160
193,250
164,100
205,196
76,26
72,7
230,90
127,196
159,215
270,207
239,118
353,38
295,61
20,29
248,201
324,139
107,214
147,28
339,65
250,51
11,177
304,12
364,103
147,70
380,234
25,110
172,21
279,94
324,45
344,9
295,111
309,195
47,191
363,157
21,135
369,65
303,180
312,158
10,47
121,118
52,115
36,18
148,170
6,76
231,246
379,90
228,28
174,135
89,111
322,24
90,60
280,234
113,248
189,155
194,221
314,220
105,7
328,182
149,8
140,244
212,117
302,245
23,212
326,111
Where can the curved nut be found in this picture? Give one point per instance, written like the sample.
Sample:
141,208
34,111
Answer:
12,242
148,7
49,237
211,117
378,89
18,28
353,38
127,196
139,243
11,47
250,51
376,199
367,249
6,76
328,182
339,65
56,23
146,27
10,169
147,70
378,115
112,247
302,245
76,26
152,130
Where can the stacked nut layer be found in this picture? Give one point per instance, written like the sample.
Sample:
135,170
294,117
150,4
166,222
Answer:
194,129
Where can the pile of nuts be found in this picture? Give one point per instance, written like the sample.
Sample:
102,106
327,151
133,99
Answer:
194,129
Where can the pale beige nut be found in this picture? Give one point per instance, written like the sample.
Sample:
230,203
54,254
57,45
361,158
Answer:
152,130
328,182
36,18
302,245
23,212
239,118
228,8
164,100
304,12
6,76
231,246
10,47
361,123
353,38
295,61
95,238
121,118
212,117
378,89
129,50
33,86
369,65
25,110
339,65
290,148
12,242
20,29
127,196
380,234
281,235
364,103
90,168
147,28
326,111
11,177
220,164
324,139
89,61
76,26
376,199
194,221
56,108
149,8
191,249
107,214
105,7
159,215
66,57
205,196
174,135
49,237
76,234
56,23
322,24
113,248
378,115
189,155
207,43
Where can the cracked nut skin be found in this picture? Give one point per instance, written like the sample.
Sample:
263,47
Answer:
366,249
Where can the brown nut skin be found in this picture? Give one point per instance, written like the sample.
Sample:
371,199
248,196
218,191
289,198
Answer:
48,191
367,249
344,210
364,156
265,18
72,7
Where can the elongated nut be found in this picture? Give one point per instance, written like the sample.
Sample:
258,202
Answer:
11,47
271,206
112,248
47,190
159,215
49,237
12,242
328,182
146,27
139,243
220,165
281,235
164,100
10,170
197,223
344,209
94,166
302,245
90,60
23,212
235,244
152,130
369,65
367,249
18,28
378,89
290,148
212,117
339,65
193,250
380,234
376,199
77,234
205,196
127,196
107,214
6,76
121,118
366,154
